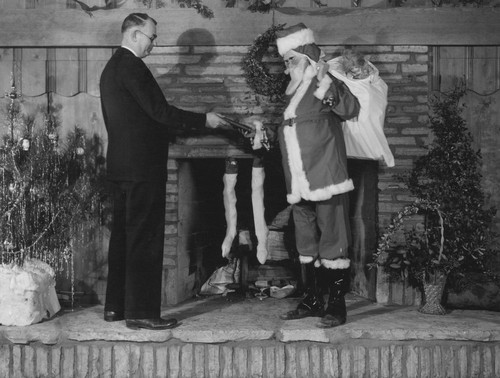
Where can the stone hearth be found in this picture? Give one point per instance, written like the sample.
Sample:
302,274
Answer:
237,337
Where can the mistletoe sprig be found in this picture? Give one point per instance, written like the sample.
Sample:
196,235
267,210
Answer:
257,75
265,6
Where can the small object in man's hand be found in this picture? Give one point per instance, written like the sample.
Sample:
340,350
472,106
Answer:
249,131
238,125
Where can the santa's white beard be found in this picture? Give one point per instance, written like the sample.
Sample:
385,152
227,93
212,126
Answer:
297,74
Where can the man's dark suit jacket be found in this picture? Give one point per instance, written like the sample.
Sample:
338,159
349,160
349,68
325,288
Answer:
138,120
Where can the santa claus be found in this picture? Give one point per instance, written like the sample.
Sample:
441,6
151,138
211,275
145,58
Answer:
315,165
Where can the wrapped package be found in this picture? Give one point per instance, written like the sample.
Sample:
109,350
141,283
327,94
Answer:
27,293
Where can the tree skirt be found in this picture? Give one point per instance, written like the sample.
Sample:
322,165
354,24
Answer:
27,293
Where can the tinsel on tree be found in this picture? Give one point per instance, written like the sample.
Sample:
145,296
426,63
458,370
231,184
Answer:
48,188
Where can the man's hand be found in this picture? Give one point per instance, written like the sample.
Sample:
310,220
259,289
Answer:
214,121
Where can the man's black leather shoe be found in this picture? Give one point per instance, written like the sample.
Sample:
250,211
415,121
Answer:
113,316
152,324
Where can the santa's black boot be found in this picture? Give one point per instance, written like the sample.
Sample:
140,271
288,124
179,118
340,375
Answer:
338,281
313,303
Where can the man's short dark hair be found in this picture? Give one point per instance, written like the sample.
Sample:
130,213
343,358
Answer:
136,19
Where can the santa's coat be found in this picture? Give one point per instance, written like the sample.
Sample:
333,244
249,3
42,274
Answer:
312,143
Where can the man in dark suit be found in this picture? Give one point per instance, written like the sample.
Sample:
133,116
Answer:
138,120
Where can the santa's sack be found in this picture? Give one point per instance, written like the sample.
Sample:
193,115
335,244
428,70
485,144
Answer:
364,135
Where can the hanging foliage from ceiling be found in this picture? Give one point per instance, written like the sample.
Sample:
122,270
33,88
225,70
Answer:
203,10
261,6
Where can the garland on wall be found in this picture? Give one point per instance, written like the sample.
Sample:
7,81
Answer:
257,75
261,6
265,6
439,3
203,10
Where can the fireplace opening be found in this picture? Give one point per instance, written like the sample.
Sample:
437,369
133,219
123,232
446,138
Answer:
201,214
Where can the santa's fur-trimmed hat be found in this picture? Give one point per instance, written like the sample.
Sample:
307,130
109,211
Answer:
300,39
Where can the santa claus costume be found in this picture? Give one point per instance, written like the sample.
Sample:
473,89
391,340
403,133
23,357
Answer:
315,165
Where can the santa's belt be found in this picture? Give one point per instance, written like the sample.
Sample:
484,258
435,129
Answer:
306,117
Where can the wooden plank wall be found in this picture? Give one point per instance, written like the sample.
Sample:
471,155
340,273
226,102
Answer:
72,27
66,78
479,67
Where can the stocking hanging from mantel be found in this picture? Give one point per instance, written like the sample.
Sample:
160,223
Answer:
229,198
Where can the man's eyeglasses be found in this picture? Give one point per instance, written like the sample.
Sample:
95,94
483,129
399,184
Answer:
152,39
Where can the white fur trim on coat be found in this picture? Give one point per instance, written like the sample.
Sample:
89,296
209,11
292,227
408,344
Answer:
323,86
341,263
299,186
305,259
294,40
290,111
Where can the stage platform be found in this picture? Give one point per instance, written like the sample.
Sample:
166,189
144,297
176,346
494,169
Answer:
234,336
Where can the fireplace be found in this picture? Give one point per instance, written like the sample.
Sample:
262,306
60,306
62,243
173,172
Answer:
195,219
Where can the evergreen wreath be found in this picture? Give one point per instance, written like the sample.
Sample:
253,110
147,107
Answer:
257,75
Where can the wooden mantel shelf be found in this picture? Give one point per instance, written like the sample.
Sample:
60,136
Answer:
209,146
352,26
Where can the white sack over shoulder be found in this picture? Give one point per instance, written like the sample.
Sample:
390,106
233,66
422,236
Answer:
364,136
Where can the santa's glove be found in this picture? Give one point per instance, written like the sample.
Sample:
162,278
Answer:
330,98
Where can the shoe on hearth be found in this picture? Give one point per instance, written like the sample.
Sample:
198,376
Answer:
330,321
311,306
113,316
155,324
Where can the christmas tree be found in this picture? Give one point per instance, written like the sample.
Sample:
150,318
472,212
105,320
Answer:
48,187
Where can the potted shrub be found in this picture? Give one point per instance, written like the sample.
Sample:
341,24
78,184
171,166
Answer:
444,236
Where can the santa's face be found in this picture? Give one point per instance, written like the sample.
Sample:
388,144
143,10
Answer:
296,65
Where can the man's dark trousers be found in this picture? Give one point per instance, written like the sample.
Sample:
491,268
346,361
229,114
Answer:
136,245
